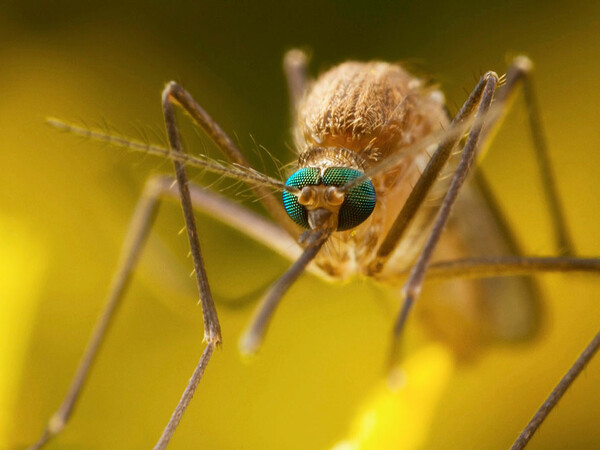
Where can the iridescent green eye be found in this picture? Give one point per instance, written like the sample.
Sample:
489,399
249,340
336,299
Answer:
299,179
360,199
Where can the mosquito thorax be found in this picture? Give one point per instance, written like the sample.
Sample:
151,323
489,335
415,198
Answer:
324,202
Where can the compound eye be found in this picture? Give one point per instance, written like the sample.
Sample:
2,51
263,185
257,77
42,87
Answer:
359,201
303,177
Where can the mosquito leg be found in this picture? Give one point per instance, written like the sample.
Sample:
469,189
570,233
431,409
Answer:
508,266
135,239
520,73
212,328
563,239
295,64
179,95
584,358
413,285
252,338
426,180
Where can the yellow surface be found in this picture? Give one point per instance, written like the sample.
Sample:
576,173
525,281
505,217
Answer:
399,414
21,267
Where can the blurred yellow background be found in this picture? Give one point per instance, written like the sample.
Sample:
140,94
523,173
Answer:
65,205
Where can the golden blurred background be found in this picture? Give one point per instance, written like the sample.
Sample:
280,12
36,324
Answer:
65,205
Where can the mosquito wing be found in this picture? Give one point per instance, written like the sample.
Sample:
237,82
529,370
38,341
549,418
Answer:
471,313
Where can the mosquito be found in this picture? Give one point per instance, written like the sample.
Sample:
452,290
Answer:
377,176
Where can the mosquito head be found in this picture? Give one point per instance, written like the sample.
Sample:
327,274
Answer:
322,203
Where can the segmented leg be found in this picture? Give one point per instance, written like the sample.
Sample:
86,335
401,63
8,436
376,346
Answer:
519,73
137,234
584,358
509,266
212,328
253,336
413,285
295,65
